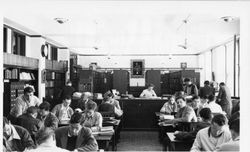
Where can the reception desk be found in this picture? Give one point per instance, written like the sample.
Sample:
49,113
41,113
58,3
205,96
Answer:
139,114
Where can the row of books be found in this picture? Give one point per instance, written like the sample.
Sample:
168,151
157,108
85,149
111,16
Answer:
11,74
26,76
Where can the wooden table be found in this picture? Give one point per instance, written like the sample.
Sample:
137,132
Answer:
172,144
104,138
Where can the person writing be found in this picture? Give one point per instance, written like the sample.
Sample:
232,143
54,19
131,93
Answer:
149,92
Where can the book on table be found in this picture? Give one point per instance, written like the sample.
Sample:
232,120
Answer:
107,130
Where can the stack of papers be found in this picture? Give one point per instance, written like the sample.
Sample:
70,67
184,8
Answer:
166,117
108,130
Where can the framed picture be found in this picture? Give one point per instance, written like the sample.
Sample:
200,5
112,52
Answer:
137,68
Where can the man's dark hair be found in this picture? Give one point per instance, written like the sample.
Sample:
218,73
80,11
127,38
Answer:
76,118
195,97
43,134
51,121
235,125
91,105
45,105
206,82
151,85
32,110
180,97
211,97
220,119
28,90
206,113
67,97
222,84
187,80
68,82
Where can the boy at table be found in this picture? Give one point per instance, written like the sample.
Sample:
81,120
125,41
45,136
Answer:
184,114
75,136
170,106
91,118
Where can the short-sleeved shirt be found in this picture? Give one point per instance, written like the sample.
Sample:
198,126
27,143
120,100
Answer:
148,94
20,105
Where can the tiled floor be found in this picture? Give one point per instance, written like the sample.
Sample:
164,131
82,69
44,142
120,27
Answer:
139,141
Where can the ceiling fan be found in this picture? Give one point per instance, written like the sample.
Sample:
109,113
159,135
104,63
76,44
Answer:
184,45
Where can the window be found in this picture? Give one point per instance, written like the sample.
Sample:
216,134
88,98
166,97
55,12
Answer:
18,44
5,39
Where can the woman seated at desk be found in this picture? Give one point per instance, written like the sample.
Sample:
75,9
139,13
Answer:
170,106
91,118
149,92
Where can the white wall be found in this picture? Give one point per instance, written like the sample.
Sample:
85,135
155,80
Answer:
150,61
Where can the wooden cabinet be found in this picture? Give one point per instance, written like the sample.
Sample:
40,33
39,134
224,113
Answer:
154,77
139,114
121,81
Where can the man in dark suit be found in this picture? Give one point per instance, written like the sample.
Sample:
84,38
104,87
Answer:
224,99
16,138
29,121
206,90
75,136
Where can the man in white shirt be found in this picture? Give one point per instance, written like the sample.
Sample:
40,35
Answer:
23,102
234,144
210,138
214,107
46,141
149,92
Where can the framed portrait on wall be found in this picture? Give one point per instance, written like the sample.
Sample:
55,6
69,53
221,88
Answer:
137,68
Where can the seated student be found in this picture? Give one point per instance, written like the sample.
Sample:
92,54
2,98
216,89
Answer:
149,92
206,117
214,107
196,104
48,118
184,114
91,118
109,98
85,98
75,136
63,111
233,145
110,105
170,106
29,121
46,141
210,138
16,138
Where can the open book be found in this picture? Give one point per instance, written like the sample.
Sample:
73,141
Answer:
108,130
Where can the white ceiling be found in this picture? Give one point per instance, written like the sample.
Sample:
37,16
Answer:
117,27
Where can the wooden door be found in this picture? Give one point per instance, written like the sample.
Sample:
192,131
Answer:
154,76
121,81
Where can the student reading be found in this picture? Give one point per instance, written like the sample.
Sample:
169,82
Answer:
149,92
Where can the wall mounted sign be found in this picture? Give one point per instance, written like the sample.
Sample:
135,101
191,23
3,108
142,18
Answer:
137,68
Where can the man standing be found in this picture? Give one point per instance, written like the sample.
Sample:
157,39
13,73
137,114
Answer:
75,136
206,90
210,138
190,89
16,138
224,99
68,90
23,102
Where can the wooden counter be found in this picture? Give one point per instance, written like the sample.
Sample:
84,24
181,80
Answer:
139,114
